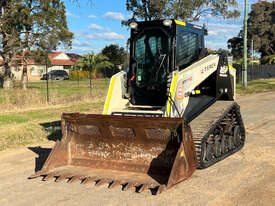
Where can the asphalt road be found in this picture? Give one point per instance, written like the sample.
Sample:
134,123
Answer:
246,178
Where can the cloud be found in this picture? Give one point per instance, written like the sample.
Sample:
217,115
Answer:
80,34
106,36
72,15
81,43
92,16
114,16
81,50
212,33
223,31
96,27
227,26
216,45
80,47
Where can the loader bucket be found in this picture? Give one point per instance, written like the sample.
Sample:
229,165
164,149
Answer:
141,152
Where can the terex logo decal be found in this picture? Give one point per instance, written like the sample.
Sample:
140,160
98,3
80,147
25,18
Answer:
189,79
208,67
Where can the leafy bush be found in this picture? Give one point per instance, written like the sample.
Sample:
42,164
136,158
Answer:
75,74
268,59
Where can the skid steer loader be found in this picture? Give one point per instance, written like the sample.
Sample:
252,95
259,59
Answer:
143,139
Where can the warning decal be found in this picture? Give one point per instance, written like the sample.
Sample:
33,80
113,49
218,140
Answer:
180,93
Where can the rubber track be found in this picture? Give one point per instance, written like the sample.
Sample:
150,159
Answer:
209,121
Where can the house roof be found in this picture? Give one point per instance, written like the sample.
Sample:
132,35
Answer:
56,58
73,56
53,56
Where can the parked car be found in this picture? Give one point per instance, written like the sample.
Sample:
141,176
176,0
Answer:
56,75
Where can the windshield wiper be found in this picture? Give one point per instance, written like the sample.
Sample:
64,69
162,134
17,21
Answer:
157,73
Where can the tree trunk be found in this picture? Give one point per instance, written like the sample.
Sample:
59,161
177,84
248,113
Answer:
24,78
25,81
1,81
8,81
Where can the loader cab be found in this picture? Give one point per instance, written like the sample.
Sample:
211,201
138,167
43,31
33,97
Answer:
157,48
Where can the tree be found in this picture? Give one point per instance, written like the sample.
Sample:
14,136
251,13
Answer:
93,62
10,26
268,59
44,24
117,55
261,29
187,10
39,24
236,45
223,51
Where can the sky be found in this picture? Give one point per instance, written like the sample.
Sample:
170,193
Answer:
99,24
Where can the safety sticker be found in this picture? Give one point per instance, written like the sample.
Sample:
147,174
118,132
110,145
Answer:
223,71
180,93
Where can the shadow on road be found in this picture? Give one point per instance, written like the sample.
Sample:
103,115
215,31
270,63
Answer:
54,128
43,154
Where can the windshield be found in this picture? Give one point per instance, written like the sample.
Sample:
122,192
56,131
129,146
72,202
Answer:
151,53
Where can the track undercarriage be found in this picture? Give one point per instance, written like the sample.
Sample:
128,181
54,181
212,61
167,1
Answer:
218,132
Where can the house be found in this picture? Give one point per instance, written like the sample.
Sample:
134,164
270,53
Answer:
59,61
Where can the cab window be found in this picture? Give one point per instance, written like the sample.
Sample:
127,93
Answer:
187,48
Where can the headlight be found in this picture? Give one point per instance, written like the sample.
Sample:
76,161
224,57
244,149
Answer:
133,25
167,22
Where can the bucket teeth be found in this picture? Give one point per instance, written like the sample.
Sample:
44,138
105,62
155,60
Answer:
75,178
102,182
129,186
144,187
62,177
48,177
112,183
160,189
89,180
115,183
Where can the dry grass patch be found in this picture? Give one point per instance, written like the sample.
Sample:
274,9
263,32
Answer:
60,92
26,127
22,113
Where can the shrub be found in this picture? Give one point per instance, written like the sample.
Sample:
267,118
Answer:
75,74
268,59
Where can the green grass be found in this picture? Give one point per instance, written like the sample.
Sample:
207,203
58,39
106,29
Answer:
257,86
12,119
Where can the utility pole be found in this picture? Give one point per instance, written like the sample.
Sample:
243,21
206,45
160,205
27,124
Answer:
244,83
90,67
47,76
252,53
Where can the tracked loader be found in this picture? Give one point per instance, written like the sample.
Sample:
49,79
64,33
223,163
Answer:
171,112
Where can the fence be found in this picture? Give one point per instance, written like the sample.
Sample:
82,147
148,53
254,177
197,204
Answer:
255,72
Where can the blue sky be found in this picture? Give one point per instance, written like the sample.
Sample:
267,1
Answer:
97,25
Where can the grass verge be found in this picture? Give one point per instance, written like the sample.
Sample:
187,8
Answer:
256,86
24,128
22,113
60,92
